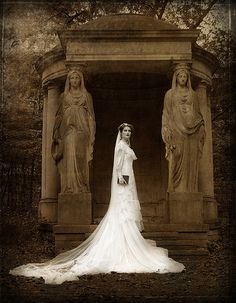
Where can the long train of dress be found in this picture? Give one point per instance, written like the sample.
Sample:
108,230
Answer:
116,245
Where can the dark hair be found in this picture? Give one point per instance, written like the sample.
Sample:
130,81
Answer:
123,125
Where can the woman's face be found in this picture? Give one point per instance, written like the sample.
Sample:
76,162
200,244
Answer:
182,78
75,80
126,133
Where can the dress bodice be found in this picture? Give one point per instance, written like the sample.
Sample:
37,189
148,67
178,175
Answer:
125,158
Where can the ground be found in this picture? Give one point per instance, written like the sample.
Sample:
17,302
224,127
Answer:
206,279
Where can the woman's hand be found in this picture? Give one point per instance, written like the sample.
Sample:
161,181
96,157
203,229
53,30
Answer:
122,180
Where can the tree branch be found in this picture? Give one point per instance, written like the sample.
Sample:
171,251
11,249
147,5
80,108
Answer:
222,112
203,15
162,9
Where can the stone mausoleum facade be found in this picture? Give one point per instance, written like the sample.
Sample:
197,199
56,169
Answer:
127,62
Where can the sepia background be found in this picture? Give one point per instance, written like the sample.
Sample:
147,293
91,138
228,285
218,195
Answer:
29,29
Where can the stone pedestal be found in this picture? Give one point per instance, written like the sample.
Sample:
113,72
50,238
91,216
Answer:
48,211
185,208
210,209
70,236
74,220
74,209
179,239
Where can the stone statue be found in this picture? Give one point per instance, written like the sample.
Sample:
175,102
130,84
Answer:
183,132
74,135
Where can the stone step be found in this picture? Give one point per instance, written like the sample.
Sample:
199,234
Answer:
160,241
193,235
176,227
73,229
175,235
182,243
179,239
177,242
160,235
157,227
213,235
172,251
188,252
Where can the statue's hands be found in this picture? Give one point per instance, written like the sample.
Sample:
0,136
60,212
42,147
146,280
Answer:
167,133
56,140
169,149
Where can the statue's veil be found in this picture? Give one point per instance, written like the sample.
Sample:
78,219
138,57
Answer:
67,84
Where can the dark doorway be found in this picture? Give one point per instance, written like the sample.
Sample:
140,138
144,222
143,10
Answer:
135,98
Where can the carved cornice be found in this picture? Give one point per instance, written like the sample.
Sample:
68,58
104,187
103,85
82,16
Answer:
52,84
183,64
127,35
202,76
206,57
49,58
81,66
205,86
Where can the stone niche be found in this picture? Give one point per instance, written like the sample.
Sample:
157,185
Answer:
127,62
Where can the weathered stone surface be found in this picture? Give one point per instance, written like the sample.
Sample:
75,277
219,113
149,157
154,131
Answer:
50,179
184,227
210,209
183,132
73,135
73,229
186,208
74,209
48,210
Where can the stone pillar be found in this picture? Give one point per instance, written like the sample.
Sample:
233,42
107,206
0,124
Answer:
50,178
206,178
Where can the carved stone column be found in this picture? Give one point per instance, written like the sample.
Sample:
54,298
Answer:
50,178
206,178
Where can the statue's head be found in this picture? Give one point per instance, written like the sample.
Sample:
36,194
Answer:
181,76
74,79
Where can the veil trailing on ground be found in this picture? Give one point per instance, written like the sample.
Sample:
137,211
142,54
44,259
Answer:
116,245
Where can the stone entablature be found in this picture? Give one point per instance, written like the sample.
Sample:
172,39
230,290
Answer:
52,65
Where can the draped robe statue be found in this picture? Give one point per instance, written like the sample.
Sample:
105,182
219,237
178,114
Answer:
183,132
73,135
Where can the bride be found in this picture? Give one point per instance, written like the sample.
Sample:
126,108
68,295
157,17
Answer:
116,245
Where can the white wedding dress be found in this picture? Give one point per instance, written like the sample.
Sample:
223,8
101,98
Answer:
116,245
